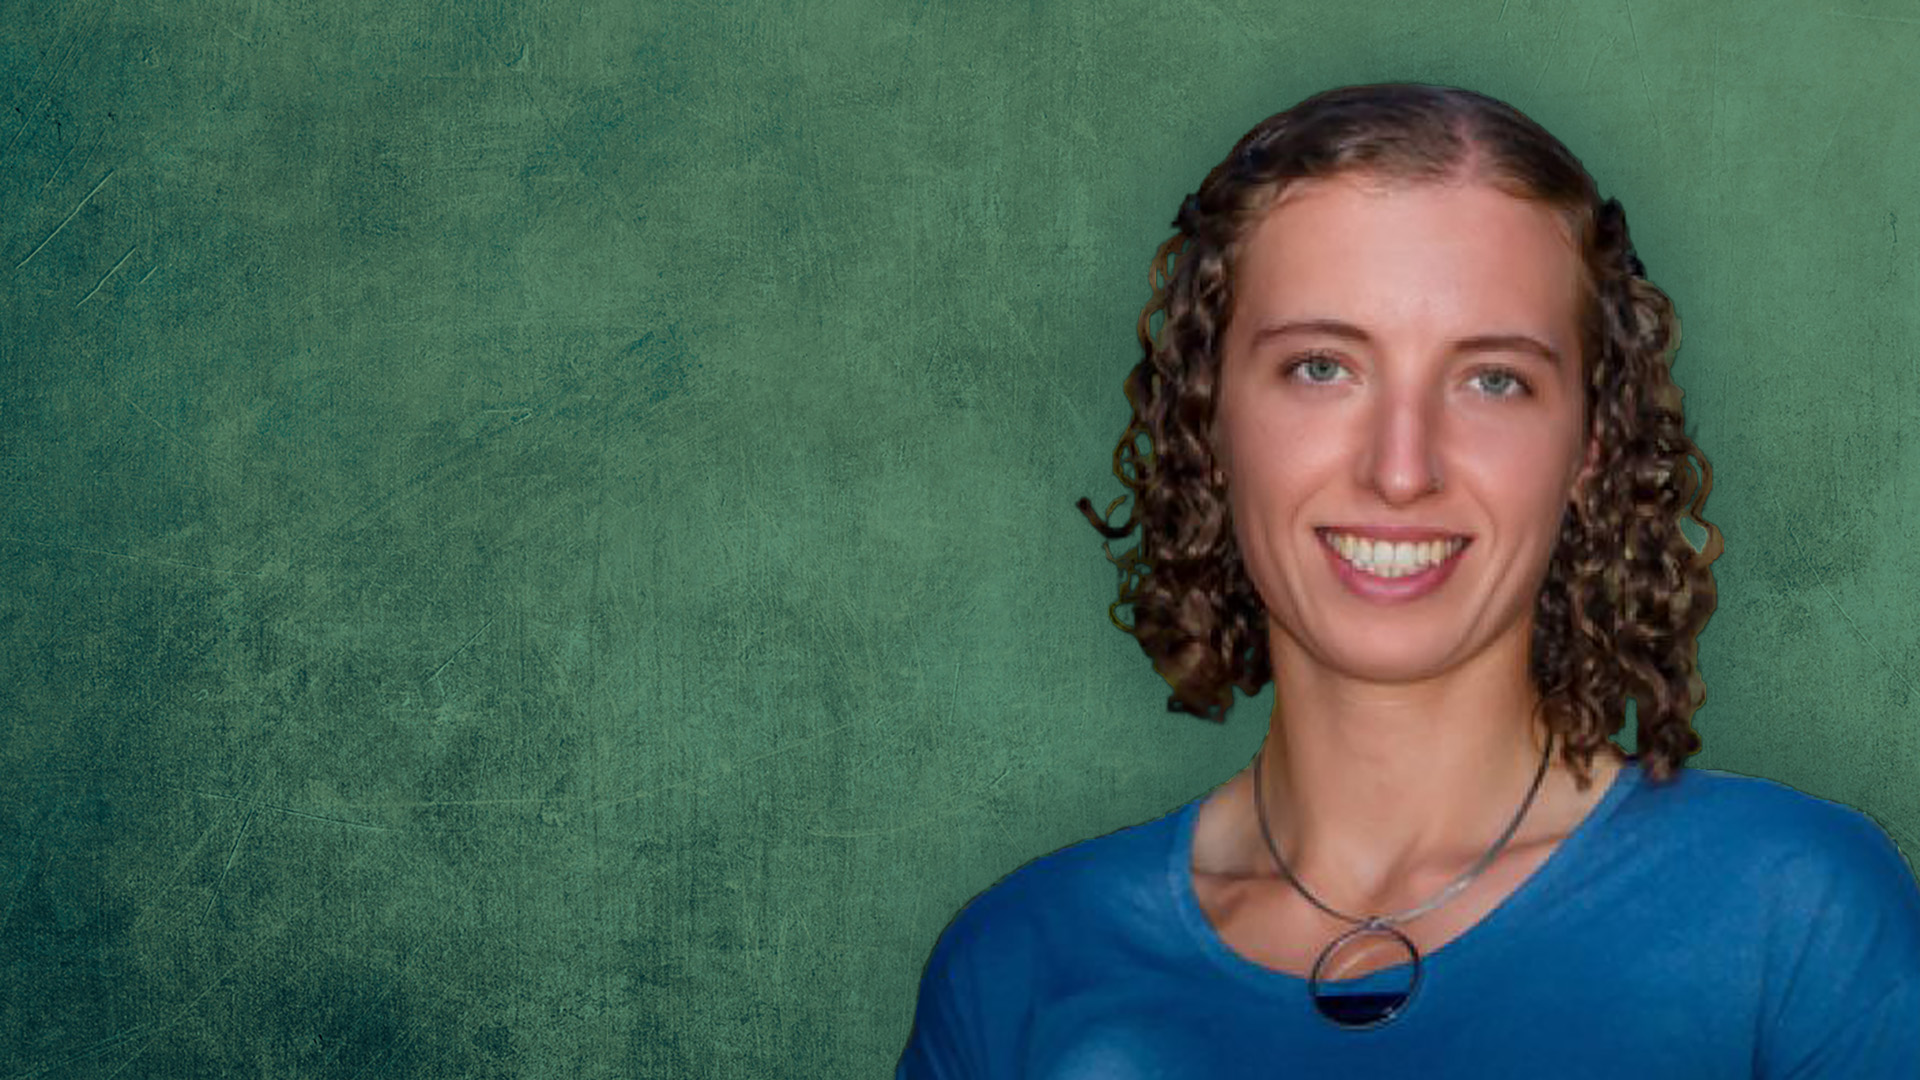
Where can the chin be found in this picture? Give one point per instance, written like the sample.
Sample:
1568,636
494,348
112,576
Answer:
1382,658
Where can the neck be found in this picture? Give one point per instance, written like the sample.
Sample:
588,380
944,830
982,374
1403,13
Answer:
1375,789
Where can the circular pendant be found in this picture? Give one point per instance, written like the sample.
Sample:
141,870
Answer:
1369,1008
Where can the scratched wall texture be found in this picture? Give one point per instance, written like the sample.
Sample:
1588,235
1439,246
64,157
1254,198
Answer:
539,541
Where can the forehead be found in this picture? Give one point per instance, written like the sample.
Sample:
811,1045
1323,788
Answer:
1411,258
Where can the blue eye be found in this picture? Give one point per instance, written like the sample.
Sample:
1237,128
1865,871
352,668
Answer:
1317,368
1501,383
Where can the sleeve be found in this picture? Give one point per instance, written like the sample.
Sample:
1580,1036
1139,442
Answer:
945,1043
976,995
1843,973
1882,1040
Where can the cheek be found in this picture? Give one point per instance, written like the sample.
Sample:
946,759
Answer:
1269,478
1271,496
1527,480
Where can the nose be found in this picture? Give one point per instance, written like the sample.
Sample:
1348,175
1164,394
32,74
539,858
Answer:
1400,460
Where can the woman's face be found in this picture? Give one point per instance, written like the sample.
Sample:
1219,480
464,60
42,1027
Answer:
1401,419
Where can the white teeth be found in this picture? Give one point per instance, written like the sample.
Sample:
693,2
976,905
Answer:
1392,560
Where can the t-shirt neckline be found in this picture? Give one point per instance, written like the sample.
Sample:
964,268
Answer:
1459,952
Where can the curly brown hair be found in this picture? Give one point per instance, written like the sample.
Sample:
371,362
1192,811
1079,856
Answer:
1626,594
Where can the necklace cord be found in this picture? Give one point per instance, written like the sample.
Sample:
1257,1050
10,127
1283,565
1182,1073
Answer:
1444,895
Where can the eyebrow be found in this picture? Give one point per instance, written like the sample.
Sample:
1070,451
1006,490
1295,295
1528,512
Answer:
1348,331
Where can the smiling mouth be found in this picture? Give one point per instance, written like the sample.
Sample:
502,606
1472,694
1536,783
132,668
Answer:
1390,559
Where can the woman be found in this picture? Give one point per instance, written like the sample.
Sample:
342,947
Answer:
1416,457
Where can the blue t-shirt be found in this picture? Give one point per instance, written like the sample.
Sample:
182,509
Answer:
1712,926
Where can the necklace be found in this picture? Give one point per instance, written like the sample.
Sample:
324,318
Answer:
1375,1008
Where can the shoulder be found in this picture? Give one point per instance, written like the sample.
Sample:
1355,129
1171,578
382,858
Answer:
1077,893
1748,820
1821,898
1823,874
1026,940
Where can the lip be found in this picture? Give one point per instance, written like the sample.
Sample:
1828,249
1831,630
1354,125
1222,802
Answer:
1392,590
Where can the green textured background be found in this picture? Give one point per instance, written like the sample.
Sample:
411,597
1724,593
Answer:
539,540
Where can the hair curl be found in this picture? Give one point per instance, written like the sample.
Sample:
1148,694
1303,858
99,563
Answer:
1626,594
